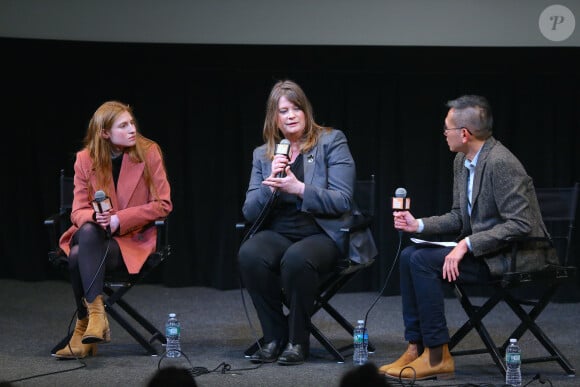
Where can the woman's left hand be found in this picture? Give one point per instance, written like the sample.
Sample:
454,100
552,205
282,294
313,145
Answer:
289,183
114,223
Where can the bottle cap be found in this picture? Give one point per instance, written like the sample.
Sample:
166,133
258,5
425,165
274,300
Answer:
513,340
171,314
361,321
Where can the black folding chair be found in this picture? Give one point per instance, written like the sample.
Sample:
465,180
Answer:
558,207
116,284
344,272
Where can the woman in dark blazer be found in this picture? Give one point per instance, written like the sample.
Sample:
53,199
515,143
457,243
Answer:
307,193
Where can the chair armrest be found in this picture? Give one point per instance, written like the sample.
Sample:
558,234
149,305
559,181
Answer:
359,223
52,224
55,254
162,245
516,241
52,220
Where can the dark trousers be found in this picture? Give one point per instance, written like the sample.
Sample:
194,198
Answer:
91,254
273,269
422,291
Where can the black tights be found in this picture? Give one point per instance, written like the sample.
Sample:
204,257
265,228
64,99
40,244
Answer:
91,254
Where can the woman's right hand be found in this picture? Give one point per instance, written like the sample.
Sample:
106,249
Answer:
279,164
103,218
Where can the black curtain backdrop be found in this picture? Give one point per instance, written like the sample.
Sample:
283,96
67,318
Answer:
204,104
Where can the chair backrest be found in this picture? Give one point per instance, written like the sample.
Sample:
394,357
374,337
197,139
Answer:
558,207
364,196
363,217
66,193
59,222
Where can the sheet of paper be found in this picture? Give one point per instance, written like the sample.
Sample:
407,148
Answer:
443,244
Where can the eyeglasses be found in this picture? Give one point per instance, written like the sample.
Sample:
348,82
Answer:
463,127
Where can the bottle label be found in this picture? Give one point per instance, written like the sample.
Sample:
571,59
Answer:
172,331
512,358
358,338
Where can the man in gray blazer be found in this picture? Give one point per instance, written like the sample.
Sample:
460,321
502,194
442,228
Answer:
493,198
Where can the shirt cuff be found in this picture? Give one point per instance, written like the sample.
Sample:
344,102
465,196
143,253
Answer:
421,226
468,242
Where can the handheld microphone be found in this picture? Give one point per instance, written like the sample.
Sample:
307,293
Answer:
102,203
401,202
283,148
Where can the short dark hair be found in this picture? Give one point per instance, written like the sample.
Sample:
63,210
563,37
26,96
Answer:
474,113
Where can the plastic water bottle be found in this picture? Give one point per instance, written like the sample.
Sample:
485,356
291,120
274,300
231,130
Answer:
172,332
513,362
361,342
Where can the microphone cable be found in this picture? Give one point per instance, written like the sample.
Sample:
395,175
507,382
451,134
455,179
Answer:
252,328
399,193
262,216
253,229
68,335
86,291
386,280
100,266
283,148
83,365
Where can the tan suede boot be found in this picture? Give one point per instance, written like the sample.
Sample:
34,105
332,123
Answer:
408,356
75,348
98,329
421,368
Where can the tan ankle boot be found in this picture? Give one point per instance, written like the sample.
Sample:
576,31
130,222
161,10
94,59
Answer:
408,356
75,348
421,368
98,329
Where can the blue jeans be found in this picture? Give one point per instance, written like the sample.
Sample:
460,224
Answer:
422,291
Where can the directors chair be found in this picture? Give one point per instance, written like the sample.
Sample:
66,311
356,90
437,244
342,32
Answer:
345,271
116,285
527,293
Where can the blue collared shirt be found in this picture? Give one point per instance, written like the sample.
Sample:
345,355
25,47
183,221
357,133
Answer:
470,165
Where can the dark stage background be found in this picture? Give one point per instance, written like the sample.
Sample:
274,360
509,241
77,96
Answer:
204,104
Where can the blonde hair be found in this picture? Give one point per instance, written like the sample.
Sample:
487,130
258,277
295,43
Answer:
100,148
294,93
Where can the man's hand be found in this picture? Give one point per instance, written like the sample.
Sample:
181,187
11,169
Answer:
404,221
451,265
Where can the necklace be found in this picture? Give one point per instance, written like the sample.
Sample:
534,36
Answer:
115,154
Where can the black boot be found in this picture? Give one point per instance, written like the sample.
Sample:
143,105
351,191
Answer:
294,354
268,353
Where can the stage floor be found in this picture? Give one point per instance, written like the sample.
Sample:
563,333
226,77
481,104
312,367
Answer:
215,331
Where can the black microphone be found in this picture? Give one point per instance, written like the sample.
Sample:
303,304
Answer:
101,204
282,149
401,202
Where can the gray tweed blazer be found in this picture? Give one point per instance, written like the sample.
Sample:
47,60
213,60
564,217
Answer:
504,205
